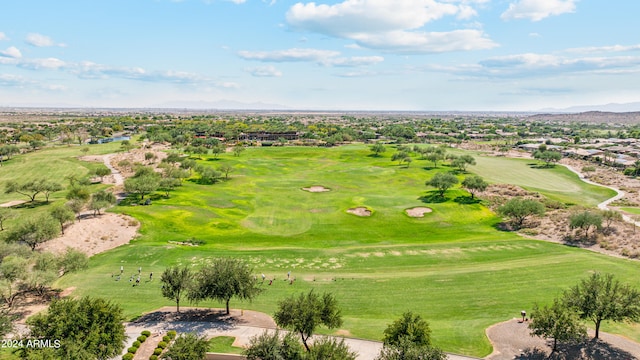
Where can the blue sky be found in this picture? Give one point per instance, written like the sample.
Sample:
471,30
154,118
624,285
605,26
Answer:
468,55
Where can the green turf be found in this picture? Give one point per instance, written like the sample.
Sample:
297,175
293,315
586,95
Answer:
631,210
453,266
223,345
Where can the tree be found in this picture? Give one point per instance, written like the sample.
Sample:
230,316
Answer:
32,188
176,281
72,260
93,325
609,216
409,338
327,348
34,231
209,175
547,156
519,209
224,279
13,271
76,205
400,157
142,185
305,312
226,169
189,346
588,169
63,214
442,181
463,161
585,220
558,322
102,171
237,150
377,149
5,214
602,297
168,184
473,184
100,200
274,346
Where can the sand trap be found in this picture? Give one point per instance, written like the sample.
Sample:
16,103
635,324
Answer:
316,189
418,211
360,211
93,235
12,203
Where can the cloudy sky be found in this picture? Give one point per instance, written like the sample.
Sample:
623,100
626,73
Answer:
335,55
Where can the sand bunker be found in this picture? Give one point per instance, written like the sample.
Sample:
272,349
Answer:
315,189
360,211
418,211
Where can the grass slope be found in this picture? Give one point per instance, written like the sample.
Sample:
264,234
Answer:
453,266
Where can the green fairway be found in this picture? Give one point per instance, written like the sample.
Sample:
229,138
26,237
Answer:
452,266
557,182
631,210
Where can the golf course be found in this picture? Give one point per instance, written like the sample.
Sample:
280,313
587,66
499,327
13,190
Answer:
453,266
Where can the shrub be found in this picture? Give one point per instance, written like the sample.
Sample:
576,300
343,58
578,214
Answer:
142,338
132,350
127,356
136,344
166,338
157,351
162,344
146,333
153,357
172,334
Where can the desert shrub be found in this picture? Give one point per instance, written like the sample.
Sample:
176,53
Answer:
127,356
157,351
142,338
136,344
171,333
162,344
132,350
153,357
146,333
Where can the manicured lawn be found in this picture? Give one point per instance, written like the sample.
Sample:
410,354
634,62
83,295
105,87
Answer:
222,344
452,266
631,210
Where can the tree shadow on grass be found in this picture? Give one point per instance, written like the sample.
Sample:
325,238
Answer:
433,197
592,349
466,200
30,205
213,159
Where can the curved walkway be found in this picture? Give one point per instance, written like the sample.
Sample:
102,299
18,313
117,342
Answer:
605,204
366,349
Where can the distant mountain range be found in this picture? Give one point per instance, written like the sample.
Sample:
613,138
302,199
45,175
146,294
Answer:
221,105
612,107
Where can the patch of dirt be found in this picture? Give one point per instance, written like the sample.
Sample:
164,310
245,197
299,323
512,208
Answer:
236,316
138,156
360,211
418,211
92,235
315,189
12,203
512,340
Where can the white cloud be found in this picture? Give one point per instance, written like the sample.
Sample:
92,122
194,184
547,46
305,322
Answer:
48,63
605,49
3,36
40,40
295,54
392,25
320,57
427,42
536,10
264,71
11,52
13,80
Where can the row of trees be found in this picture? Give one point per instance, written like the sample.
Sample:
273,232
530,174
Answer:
221,280
598,298
444,181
